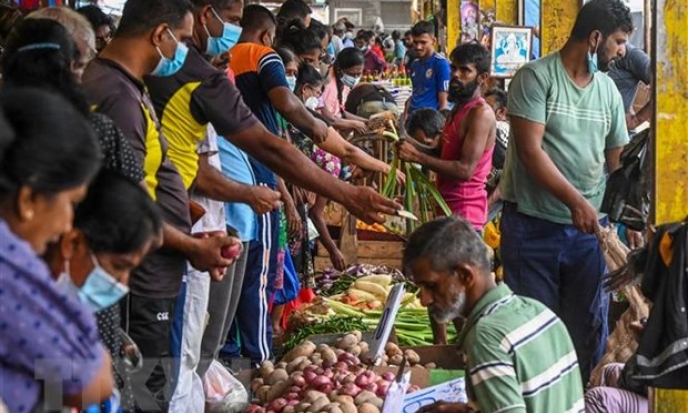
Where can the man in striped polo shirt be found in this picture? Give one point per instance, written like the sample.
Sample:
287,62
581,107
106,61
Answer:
519,356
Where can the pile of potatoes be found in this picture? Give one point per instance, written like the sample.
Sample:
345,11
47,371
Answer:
327,379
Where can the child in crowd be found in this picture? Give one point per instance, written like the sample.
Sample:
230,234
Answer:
425,126
497,99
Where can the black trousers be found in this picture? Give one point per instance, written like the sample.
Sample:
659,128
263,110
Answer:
148,321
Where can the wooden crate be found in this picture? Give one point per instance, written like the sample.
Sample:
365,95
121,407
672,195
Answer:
388,253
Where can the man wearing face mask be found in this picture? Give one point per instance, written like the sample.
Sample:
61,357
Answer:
197,95
519,356
465,153
148,41
567,121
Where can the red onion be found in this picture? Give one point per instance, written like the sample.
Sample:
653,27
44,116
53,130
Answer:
350,389
371,387
328,373
327,388
319,371
320,381
311,368
293,402
328,363
292,396
310,376
298,381
382,388
278,404
389,376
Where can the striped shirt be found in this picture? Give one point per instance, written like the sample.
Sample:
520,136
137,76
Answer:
519,357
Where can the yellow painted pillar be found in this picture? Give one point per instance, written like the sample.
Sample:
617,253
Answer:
453,23
670,192
556,21
486,5
507,11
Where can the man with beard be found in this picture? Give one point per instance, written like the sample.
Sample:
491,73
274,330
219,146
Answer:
567,120
519,356
465,152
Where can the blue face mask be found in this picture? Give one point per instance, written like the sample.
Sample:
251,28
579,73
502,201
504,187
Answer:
100,290
291,81
592,60
230,36
168,67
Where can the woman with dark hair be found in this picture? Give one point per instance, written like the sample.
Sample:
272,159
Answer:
48,155
305,43
344,76
41,53
329,156
115,227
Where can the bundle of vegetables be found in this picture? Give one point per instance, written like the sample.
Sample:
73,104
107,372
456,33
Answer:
329,379
411,325
419,193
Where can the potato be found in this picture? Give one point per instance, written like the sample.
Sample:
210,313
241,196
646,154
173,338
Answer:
304,349
256,384
281,365
377,402
263,394
368,408
347,341
364,347
294,364
392,349
343,399
355,350
312,395
430,366
289,409
318,405
303,365
357,334
412,357
396,360
276,376
322,347
339,352
331,408
266,369
363,397
277,390
302,407
348,407
329,356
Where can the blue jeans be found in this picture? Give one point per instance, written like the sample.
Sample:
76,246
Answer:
561,267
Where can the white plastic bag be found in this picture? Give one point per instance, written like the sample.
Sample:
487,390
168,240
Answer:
223,392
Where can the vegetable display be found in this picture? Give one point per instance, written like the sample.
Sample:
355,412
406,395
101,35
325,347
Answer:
323,378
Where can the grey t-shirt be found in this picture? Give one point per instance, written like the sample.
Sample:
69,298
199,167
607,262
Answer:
628,71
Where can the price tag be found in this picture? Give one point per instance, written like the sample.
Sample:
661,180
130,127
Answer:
394,401
384,327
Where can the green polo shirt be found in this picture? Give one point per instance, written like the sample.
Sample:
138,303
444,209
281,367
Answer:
519,357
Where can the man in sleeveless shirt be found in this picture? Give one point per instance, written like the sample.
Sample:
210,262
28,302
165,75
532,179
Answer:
468,139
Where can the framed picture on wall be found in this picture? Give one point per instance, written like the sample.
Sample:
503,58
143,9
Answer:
511,48
354,16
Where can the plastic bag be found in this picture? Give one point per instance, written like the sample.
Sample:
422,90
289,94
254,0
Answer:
223,392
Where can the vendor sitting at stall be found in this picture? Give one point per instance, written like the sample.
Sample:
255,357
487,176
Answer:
519,356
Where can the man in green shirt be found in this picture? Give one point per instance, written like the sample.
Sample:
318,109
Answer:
519,356
567,120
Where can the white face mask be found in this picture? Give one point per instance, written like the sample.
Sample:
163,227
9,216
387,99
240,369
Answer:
312,103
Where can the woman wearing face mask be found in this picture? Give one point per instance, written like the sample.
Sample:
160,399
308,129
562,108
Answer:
329,156
308,48
115,226
40,52
344,76
48,154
